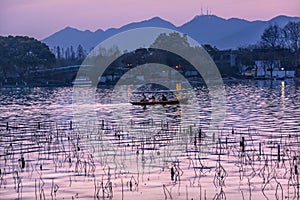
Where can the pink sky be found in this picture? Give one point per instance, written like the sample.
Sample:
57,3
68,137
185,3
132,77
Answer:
40,18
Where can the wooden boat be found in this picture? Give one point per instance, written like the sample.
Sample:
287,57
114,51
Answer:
170,101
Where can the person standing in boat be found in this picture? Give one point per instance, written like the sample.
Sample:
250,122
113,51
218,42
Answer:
144,97
164,98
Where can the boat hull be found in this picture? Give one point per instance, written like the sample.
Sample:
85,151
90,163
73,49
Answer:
145,103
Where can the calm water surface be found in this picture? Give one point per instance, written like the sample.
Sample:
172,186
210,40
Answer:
128,152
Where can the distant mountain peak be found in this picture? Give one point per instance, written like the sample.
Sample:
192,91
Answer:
69,28
155,19
205,17
280,17
72,29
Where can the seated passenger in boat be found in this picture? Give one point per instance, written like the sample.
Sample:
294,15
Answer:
152,98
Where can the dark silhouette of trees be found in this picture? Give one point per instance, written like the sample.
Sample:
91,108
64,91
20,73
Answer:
272,37
58,52
173,41
286,37
68,56
80,53
102,57
291,33
20,54
245,56
280,44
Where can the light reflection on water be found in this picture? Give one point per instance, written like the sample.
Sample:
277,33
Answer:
89,161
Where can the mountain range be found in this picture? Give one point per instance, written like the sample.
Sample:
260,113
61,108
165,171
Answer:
206,29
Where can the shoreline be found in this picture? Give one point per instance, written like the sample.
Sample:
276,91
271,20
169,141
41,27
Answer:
227,80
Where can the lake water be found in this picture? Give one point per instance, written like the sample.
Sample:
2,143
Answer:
129,152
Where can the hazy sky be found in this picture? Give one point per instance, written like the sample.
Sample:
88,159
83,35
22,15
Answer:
40,18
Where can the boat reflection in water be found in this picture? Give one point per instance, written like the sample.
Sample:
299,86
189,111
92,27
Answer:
82,81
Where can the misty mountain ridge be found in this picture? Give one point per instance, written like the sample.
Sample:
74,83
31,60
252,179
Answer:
205,29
